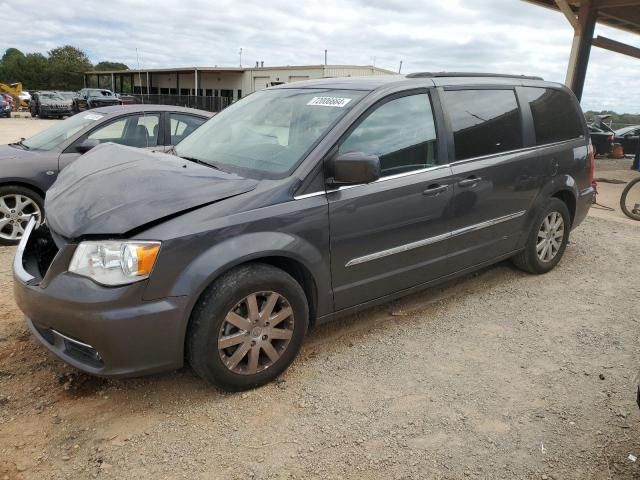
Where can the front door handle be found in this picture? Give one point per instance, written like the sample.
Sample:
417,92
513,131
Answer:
470,182
435,190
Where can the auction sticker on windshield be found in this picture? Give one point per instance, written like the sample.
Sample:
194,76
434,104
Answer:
329,101
92,116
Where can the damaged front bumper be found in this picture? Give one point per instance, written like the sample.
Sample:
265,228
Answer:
100,330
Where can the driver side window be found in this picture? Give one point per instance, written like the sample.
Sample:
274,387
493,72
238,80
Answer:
401,132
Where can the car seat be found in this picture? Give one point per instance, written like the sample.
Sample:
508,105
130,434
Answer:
140,137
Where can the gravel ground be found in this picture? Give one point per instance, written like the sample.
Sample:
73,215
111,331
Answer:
499,375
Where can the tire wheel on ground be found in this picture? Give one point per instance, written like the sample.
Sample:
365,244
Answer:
17,205
247,327
623,200
547,239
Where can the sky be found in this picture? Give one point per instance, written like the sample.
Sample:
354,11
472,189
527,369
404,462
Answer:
503,36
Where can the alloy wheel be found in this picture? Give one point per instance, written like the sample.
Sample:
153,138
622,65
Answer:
15,212
255,333
550,237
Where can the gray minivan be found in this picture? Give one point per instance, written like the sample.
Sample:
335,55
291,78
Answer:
292,207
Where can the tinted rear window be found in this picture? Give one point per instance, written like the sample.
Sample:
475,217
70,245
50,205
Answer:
484,122
555,116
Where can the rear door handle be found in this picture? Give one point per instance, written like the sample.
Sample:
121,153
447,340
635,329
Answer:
435,190
469,182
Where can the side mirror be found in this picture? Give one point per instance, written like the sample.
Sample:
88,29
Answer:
87,145
354,168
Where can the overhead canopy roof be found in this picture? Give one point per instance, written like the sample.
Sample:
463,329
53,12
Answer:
622,14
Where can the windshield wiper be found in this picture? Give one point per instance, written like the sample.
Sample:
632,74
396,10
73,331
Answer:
197,160
20,143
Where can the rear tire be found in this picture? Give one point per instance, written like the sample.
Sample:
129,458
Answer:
547,239
247,327
623,200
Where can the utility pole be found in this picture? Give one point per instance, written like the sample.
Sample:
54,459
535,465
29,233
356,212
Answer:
400,67
325,56
240,57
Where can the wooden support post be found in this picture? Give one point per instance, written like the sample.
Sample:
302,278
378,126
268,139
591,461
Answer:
583,27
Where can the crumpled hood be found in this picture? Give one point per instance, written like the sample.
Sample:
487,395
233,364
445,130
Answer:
114,189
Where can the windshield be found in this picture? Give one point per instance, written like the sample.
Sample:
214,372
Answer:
54,136
266,134
51,96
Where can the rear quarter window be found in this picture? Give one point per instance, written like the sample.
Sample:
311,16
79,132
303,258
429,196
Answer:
556,117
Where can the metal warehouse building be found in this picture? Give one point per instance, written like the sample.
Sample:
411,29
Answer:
213,88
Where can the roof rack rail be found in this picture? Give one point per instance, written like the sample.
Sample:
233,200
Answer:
468,74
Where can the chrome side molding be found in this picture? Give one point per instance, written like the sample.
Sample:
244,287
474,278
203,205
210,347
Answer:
431,240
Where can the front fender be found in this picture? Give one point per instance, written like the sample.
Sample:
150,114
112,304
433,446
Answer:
245,248
204,268
36,170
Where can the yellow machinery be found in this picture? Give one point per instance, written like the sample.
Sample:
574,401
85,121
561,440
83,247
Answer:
15,90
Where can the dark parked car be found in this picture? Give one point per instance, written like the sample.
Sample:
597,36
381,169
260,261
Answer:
89,98
628,137
5,108
50,104
601,140
296,205
29,167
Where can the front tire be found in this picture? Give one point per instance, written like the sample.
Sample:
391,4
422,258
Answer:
247,327
17,206
547,239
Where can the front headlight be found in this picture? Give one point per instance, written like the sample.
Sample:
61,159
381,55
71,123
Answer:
114,262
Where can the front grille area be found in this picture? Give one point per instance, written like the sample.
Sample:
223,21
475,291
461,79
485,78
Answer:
56,109
39,252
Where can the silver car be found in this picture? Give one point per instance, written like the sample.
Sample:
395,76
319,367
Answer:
30,166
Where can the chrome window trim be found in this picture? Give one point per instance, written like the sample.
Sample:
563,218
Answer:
518,150
391,177
381,179
431,240
308,195
18,268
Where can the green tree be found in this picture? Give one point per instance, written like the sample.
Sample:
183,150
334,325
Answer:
12,66
36,72
63,69
67,66
106,66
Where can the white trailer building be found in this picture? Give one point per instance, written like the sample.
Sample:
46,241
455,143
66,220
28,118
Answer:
213,88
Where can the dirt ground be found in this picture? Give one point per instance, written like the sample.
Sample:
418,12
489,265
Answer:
500,375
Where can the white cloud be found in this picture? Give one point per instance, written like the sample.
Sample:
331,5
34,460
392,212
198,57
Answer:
504,36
